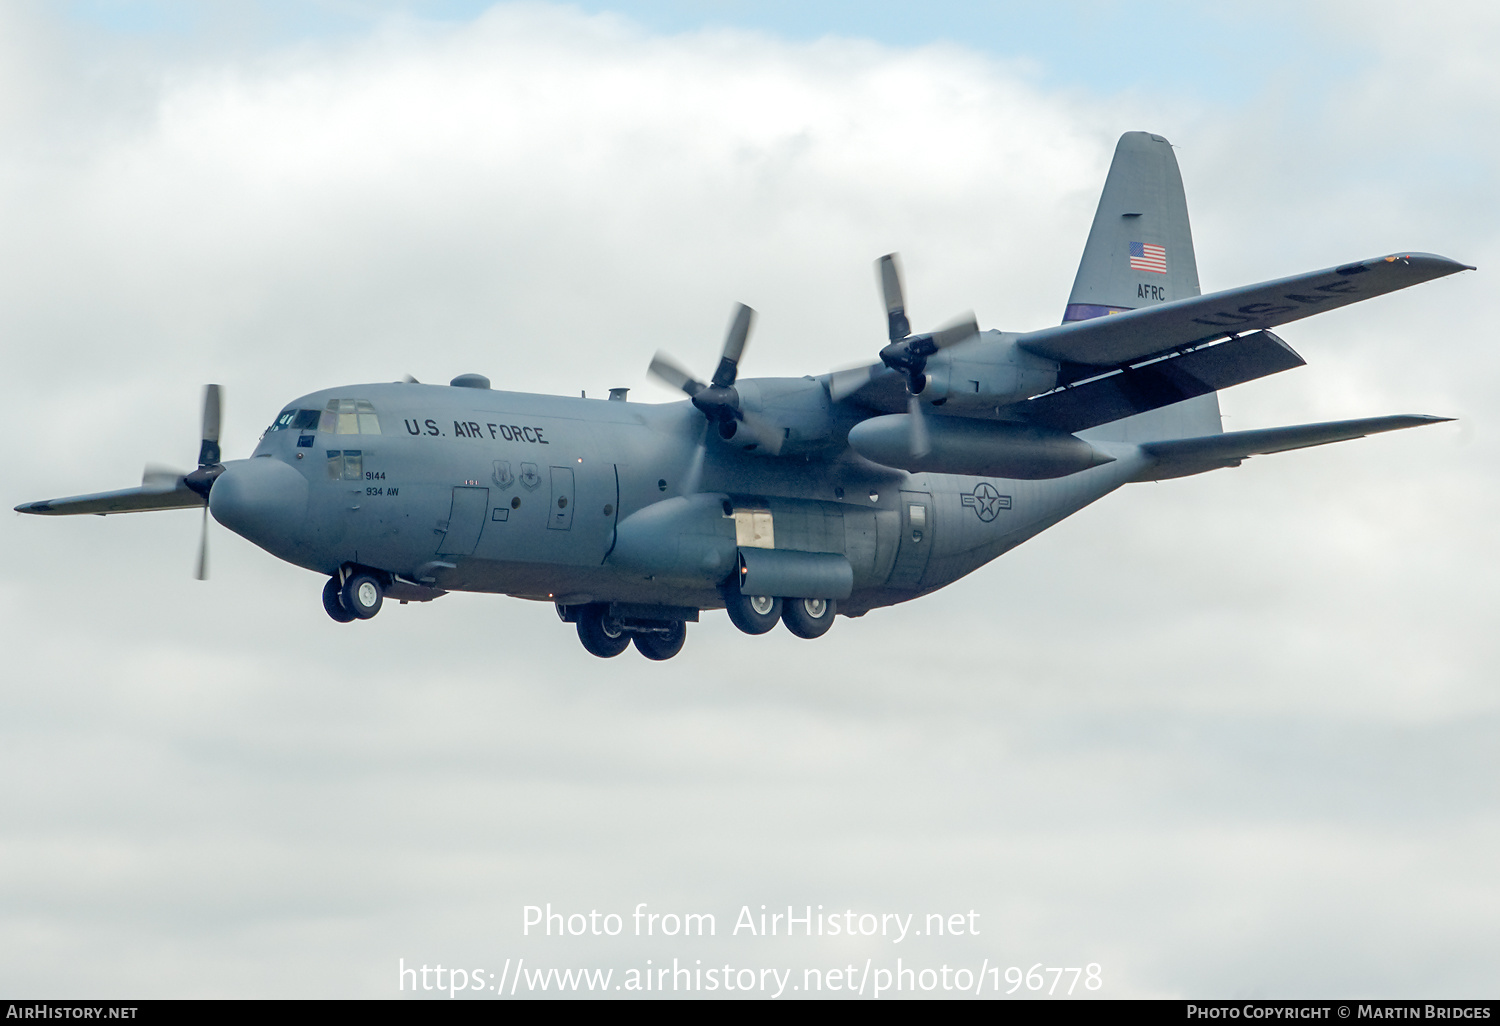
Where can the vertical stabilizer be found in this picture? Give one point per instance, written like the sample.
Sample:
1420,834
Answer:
1140,253
1140,250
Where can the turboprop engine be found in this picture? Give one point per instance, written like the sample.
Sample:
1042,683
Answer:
990,371
975,447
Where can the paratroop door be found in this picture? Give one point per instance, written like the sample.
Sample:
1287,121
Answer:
916,540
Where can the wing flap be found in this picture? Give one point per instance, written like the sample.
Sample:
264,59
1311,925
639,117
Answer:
1181,376
1179,457
1135,334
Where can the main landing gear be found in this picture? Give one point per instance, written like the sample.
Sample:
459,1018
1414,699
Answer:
358,596
808,618
756,614
604,636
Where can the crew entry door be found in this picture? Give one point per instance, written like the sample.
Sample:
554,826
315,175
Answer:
465,521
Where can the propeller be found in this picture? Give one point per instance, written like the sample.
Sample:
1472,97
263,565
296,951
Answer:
209,466
717,400
905,353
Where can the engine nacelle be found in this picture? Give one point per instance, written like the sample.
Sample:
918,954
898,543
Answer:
987,372
798,407
975,447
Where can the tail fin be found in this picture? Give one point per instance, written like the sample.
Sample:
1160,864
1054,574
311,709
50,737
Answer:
1140,250
1140,253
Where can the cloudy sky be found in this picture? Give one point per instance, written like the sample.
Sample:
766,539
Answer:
1229,736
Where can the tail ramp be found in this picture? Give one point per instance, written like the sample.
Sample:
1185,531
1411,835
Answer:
1140,253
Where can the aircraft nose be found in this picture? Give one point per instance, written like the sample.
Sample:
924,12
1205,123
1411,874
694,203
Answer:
262,500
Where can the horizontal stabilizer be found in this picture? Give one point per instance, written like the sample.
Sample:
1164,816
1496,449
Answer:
1134,334
1180,457
127,500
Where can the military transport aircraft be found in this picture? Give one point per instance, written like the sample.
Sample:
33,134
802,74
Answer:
780,499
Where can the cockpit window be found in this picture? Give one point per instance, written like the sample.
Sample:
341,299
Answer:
296,420
347,464
349,417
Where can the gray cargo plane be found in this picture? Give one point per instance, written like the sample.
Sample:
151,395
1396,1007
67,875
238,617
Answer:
780,499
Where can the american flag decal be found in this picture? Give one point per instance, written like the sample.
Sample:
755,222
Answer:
1145,256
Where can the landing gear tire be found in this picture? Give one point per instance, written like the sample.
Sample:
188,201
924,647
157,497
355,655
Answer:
807,618
753,614
362,595
333,602
599,636
662,646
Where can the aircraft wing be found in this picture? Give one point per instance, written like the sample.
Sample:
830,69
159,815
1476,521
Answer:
1117,339
127,500
1179,457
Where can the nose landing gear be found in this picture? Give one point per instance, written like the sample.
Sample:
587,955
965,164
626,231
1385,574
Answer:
333,602
362,595
357,597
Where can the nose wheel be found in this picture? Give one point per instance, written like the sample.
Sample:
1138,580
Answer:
362,595
357,598
333,602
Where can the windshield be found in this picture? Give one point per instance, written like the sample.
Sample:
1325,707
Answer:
296,420
340,417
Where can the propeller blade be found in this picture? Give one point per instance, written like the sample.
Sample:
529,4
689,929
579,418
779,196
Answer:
159,478
895,297
960,330
734,346
664,370
213,405
694,476
844,383
202,573
767,435
921,444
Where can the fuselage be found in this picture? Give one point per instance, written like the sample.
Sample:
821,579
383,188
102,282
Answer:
484,490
